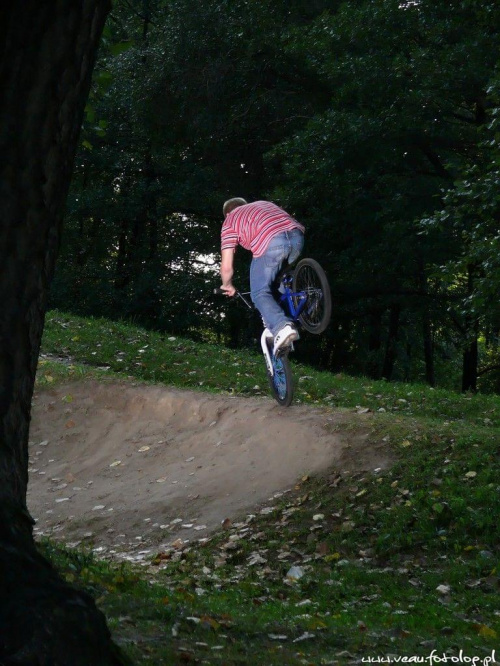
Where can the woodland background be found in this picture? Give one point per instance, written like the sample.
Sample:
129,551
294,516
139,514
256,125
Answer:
376,124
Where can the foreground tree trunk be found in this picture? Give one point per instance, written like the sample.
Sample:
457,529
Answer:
47,53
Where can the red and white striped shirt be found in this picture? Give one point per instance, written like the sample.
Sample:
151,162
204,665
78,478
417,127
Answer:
253,225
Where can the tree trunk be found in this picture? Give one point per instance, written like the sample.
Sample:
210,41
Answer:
390,349
469,368
426,326
471,352
374,343
121,275
47,53
428,350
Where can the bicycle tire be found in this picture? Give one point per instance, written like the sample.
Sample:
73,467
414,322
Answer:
309,277
281,382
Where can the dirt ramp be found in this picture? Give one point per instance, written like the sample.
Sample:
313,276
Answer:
127,466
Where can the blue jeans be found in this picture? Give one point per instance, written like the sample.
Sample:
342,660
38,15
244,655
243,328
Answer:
263,271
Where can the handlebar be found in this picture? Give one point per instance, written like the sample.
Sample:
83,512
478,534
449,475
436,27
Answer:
222,292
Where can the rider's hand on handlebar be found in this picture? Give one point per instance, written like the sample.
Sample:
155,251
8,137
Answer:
228,290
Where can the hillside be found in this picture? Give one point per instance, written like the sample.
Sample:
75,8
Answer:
374,529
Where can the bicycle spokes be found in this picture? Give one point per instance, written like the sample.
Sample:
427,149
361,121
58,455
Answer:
314,307
310,284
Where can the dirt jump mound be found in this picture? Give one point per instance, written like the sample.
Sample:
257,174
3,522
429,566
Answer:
127,468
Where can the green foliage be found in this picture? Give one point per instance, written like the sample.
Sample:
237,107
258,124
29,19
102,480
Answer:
408,97
361,119
470,220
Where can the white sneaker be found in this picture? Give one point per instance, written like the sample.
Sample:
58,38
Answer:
285,337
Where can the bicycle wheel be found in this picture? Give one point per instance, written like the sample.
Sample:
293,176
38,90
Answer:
310,279
281,382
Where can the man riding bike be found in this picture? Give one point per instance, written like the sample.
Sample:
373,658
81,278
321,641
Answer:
272,236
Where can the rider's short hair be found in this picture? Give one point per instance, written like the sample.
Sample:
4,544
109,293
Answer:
231,204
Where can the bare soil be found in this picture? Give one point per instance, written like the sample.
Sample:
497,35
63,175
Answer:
131,469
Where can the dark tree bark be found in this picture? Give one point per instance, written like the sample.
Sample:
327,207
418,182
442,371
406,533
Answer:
426,326
469,367
471,352
47,53
428,349
375,343
121,257
392,338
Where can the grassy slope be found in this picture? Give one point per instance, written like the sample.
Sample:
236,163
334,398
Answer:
397,563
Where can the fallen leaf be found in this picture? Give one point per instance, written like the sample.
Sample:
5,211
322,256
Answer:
332,557
294,573
304,637
255,558
210,621
486,632
159,558
322,548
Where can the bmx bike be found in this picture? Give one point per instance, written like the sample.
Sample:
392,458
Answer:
304,294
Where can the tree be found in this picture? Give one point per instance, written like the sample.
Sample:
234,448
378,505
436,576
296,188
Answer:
470,218
47,56
408,84
356,117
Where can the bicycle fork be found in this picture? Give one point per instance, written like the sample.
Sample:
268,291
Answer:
264,338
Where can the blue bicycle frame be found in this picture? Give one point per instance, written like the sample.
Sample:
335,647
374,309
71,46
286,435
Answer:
290,298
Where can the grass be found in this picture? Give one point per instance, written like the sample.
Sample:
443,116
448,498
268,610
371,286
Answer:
400,562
